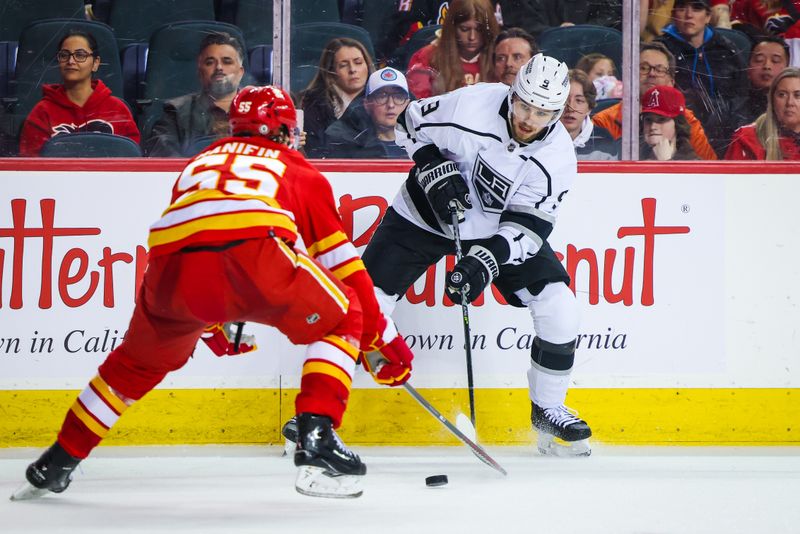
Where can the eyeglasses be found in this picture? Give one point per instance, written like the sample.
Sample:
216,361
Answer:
80,56
398,99
646,68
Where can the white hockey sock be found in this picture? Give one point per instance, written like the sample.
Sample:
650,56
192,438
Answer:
547,388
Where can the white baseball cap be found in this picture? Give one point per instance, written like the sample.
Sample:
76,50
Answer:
386,77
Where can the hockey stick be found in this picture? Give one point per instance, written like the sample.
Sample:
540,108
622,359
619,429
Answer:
237,340
376,361
476,449
464,314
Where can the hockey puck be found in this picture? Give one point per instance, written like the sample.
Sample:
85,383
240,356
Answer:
436,480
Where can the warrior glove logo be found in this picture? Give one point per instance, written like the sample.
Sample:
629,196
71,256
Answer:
492,187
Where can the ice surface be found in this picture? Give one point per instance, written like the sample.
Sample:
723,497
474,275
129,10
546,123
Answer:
231,489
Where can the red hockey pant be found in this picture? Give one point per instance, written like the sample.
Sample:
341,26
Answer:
258,280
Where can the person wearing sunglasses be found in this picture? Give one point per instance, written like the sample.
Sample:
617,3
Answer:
367,130
79,103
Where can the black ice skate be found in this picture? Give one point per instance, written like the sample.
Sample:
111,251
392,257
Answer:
561,432
289,432
327,468
52,472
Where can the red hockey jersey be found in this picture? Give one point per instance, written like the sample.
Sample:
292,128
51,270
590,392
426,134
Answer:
249,187
56,114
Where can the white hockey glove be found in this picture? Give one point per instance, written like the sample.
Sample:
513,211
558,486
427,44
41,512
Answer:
221,339
472,274
443,183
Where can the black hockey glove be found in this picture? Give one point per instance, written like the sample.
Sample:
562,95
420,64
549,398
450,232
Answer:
442,184
471,275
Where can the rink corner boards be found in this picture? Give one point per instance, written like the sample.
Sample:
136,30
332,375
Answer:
719,416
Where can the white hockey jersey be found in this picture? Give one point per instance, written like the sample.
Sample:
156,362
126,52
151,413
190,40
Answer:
515,189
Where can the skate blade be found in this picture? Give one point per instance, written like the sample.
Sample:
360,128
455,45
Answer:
318,482
289,447
549,445
27,492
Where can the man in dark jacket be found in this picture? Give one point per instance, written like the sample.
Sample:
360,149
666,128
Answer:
191,122
367,130
769,57
710,70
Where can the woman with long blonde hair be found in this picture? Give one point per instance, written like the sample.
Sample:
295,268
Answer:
775,135
461,56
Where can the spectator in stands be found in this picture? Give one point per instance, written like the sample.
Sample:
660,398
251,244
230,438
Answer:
535,16
770,17
344,67
408,17
191,122
775,135
656,14
656,67
591,142
768,58
664,134
513,47
710,69
602,73
78,103
461,56
367,130
597,65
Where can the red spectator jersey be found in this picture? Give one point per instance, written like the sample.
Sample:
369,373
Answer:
746,146
423,79
56,114
775,21
249,187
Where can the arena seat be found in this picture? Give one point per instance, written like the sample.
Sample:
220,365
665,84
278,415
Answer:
739,39
90,145
36,63
254,17
571,43
422,37
308,41
135,20
16,14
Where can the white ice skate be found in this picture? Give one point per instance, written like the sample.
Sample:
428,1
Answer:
561,432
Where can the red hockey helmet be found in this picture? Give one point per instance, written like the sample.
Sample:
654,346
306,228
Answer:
262,111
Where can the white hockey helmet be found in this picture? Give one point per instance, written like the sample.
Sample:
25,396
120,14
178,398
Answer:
542,82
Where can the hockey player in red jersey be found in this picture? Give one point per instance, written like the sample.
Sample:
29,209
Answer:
225,251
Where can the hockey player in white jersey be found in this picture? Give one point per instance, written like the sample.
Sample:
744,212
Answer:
503,158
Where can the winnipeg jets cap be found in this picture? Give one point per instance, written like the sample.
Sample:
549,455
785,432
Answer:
386,77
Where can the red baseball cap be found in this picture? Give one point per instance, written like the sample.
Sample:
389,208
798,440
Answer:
663,100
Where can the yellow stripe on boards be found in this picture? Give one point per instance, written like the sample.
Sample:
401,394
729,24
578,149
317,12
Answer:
88,420
326,243
31,418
